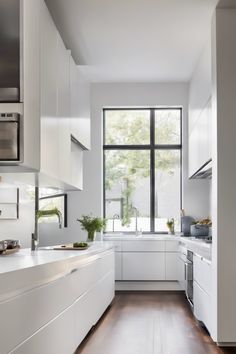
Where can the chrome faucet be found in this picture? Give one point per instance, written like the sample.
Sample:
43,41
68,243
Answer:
40,214
136,220
114,217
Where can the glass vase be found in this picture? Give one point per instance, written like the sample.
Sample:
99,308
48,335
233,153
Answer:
91,236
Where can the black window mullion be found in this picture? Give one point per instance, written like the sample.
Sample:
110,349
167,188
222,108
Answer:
152,170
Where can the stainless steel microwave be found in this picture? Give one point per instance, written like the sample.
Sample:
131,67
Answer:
10,138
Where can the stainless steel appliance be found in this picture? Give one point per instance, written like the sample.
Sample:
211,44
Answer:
10,138
10,51
186,271
189,277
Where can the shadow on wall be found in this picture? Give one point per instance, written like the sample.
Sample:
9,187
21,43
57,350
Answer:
22,228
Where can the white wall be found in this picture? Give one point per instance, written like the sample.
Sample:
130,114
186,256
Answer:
22,228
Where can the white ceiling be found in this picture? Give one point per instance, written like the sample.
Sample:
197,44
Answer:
134,40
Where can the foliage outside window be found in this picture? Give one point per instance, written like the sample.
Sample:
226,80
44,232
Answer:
142,168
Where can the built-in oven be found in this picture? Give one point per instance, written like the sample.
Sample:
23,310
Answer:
189,277
186,273
10,138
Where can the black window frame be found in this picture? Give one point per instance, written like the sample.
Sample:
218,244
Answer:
152,147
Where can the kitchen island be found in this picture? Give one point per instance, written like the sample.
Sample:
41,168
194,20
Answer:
49,300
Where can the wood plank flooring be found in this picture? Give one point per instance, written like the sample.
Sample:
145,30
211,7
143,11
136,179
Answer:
149,323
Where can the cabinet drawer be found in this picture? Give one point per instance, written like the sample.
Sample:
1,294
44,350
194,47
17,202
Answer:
172,246
143,246
144,266
202,273
55,338
202,305
32,309
84,278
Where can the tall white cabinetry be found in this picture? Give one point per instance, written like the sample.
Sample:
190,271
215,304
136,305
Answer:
61,148
200,113
55,107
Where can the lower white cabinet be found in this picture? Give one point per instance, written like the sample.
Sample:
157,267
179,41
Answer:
55,318
57,337
171,266
146,260
202,305
118,266
143,266
202,290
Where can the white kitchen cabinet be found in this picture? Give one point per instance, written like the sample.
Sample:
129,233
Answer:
200,113
171,263
172,246
79,106
143,266
56,104
57,337
202,273
63,112
202,290
49,94
202,305
31,48
118,266
66,307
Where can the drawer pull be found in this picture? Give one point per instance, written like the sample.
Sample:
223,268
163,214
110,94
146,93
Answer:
74,270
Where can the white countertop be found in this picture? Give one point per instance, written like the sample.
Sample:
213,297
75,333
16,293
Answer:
196,245
27,269
132,237
26,258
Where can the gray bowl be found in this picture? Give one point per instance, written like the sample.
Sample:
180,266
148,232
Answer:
199,230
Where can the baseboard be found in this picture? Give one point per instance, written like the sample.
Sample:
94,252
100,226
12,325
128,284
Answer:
225,344
147,285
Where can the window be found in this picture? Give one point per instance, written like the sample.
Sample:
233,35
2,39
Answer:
142,168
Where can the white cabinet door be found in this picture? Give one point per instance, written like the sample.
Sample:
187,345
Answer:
202,305
80,106
193,150
63,112
49,83
118,266
171,266
89,307
202,273
55,338
172,246
31,11
143,266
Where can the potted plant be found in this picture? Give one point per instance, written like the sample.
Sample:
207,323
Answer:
171,226
92,225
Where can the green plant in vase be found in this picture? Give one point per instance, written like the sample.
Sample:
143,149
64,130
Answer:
171,226
92,225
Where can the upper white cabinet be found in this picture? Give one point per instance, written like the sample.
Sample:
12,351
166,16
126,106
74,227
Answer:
79,106
49,83
200,112
56,104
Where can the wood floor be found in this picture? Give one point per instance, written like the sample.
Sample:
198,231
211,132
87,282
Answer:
149,323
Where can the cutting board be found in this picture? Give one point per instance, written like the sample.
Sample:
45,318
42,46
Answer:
69,248
9,251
